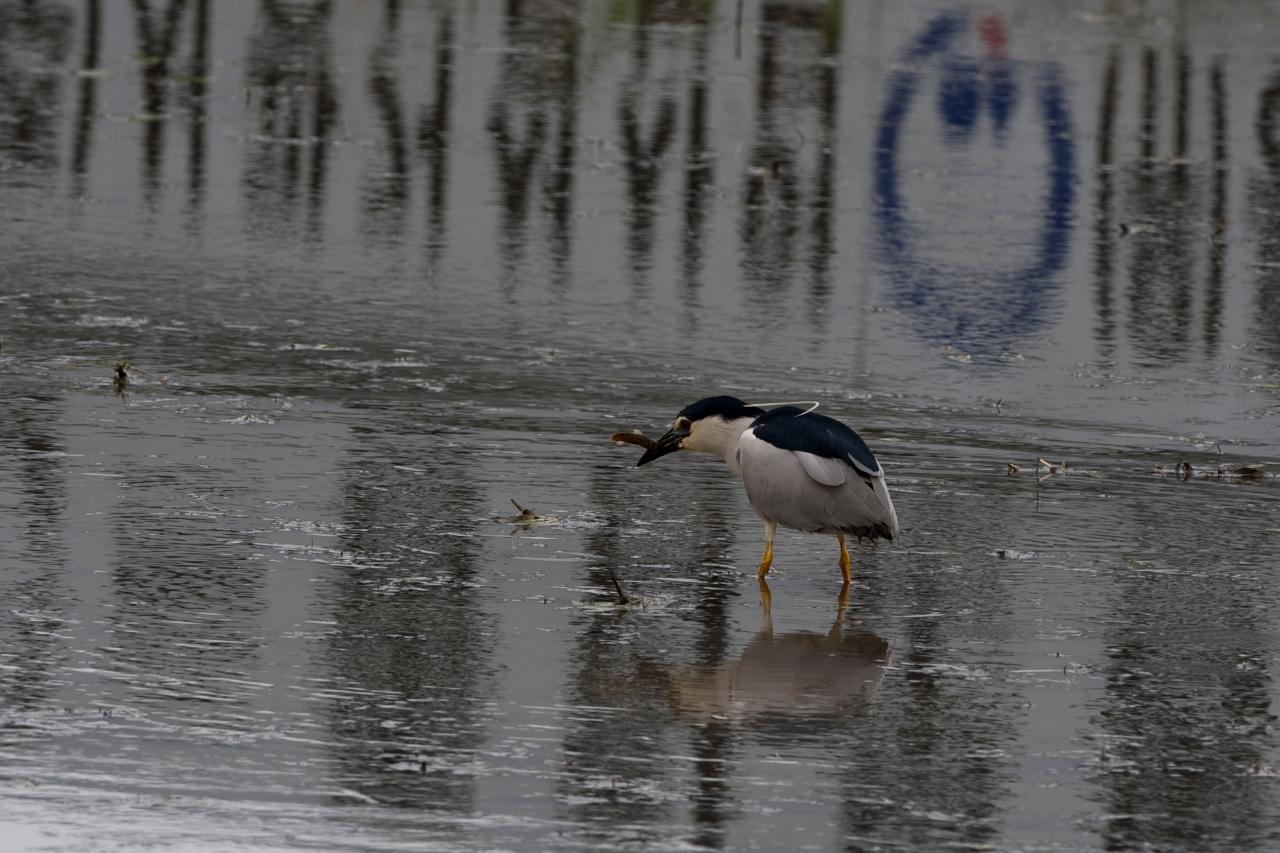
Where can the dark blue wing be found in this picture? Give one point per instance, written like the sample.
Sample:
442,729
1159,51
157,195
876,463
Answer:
788,429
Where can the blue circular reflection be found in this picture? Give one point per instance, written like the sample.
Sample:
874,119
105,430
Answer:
980,310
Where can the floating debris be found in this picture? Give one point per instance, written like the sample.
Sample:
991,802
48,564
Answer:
122,375
1262,770
1044,468
634,604
1238,471
121,381
525,516
1184,470
1049,468
1181,470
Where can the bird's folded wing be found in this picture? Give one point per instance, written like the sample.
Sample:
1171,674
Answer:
828,472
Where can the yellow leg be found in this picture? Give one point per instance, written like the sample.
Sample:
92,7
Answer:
770,528
844,559
766,602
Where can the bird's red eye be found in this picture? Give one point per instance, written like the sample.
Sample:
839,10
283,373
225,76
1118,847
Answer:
683,424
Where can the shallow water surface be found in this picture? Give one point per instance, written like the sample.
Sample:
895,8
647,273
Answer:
296,299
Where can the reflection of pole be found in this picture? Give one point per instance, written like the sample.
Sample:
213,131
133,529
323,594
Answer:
1182,114
714,741
1104,233
517,159
324,113
1267,125
31,652
1267,234
537,85
387,196
1161,283
289,68
1217,209
1173,700
432,680
560,186
86,108
825,178
157,49
199,108
1182,104
698,176
607,673
433,138
713,744
644,173
1150,94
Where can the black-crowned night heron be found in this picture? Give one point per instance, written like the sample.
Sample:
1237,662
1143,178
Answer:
801,469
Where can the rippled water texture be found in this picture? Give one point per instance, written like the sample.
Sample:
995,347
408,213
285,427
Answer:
296,298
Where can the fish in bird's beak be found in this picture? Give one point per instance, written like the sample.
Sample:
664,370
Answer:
669,443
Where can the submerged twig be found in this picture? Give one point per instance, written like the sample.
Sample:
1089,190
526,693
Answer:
622,596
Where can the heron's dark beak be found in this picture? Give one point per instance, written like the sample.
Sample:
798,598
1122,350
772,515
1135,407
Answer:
669,443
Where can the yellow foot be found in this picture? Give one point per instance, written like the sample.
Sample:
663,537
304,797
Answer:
765,562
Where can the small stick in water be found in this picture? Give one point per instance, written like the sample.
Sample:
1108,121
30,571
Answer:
622,597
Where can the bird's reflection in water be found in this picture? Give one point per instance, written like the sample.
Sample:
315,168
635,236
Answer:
798,672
